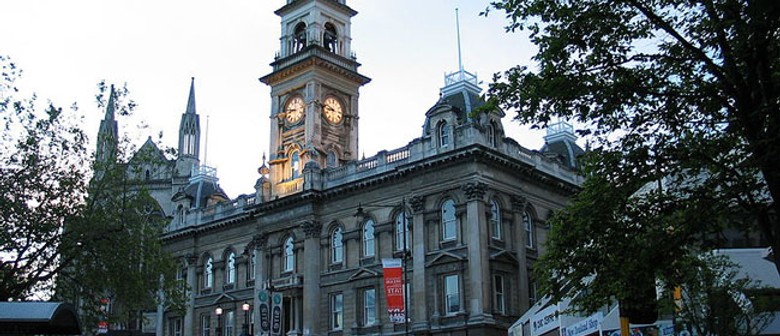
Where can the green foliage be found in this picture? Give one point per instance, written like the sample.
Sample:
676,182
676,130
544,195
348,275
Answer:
679,101
78,228
717,301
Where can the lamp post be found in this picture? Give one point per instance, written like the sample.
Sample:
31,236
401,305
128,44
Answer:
404,255
218,311
245,307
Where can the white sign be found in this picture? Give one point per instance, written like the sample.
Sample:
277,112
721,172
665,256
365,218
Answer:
584,327
545,320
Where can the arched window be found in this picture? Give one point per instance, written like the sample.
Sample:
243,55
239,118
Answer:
369,241
331,159
299,40
495,220
148,175
330,38
448,225
528,225
399,232
295,165
337,246
252,265
289,255
230,269
444,134
208,273
491,133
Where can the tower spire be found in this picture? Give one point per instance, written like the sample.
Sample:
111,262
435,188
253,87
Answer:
191,100
107,133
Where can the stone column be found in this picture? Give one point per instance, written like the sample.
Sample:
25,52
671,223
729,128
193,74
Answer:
418,306
478,264
192,284
260,246
311,277
519,204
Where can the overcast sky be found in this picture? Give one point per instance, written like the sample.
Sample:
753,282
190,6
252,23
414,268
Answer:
66,47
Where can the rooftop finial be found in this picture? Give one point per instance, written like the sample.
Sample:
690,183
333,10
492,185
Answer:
457,28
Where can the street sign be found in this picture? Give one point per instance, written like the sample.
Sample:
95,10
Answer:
264,307
276,314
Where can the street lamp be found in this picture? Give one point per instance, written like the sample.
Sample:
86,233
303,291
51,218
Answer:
245,307
404,255
218,311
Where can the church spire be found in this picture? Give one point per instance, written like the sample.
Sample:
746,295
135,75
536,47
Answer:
107,133
189,129
191,100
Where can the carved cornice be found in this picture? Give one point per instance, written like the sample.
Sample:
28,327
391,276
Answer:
474,190
312,228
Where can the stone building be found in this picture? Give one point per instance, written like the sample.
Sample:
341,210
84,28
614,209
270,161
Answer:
468,203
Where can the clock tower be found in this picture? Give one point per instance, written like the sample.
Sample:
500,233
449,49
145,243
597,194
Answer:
314,92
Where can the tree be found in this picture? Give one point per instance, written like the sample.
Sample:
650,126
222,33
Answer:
718,302
81,226
680,102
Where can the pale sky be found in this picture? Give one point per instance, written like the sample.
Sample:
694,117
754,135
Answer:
405,46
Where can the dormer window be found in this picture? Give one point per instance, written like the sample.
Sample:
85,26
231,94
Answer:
444,134
330,38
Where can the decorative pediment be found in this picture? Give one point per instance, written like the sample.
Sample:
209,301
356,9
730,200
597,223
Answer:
504,255
445,257
363,273
224,297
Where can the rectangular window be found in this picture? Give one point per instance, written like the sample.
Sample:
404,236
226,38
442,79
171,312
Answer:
528,225
205,325
336,311
230,320
452,294
369,306
174,326
532,291
498,283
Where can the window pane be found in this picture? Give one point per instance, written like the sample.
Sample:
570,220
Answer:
495,220
368,239
399,233
499,289
231,268
289,255
338,246
337,310
452,294
208,273
529,230
369,307
448,220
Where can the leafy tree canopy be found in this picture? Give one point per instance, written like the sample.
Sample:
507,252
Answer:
74,227
680,102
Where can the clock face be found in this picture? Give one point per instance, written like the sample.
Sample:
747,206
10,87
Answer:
333,110
294,110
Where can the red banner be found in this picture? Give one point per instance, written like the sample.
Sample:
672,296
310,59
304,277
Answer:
394,289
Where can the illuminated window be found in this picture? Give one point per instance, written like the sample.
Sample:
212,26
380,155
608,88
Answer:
295,165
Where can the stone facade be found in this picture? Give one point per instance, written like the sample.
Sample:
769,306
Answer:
474,203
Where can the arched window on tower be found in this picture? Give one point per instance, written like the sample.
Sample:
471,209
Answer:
491,134
444,134
299,37
331,159
295,165
330,38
